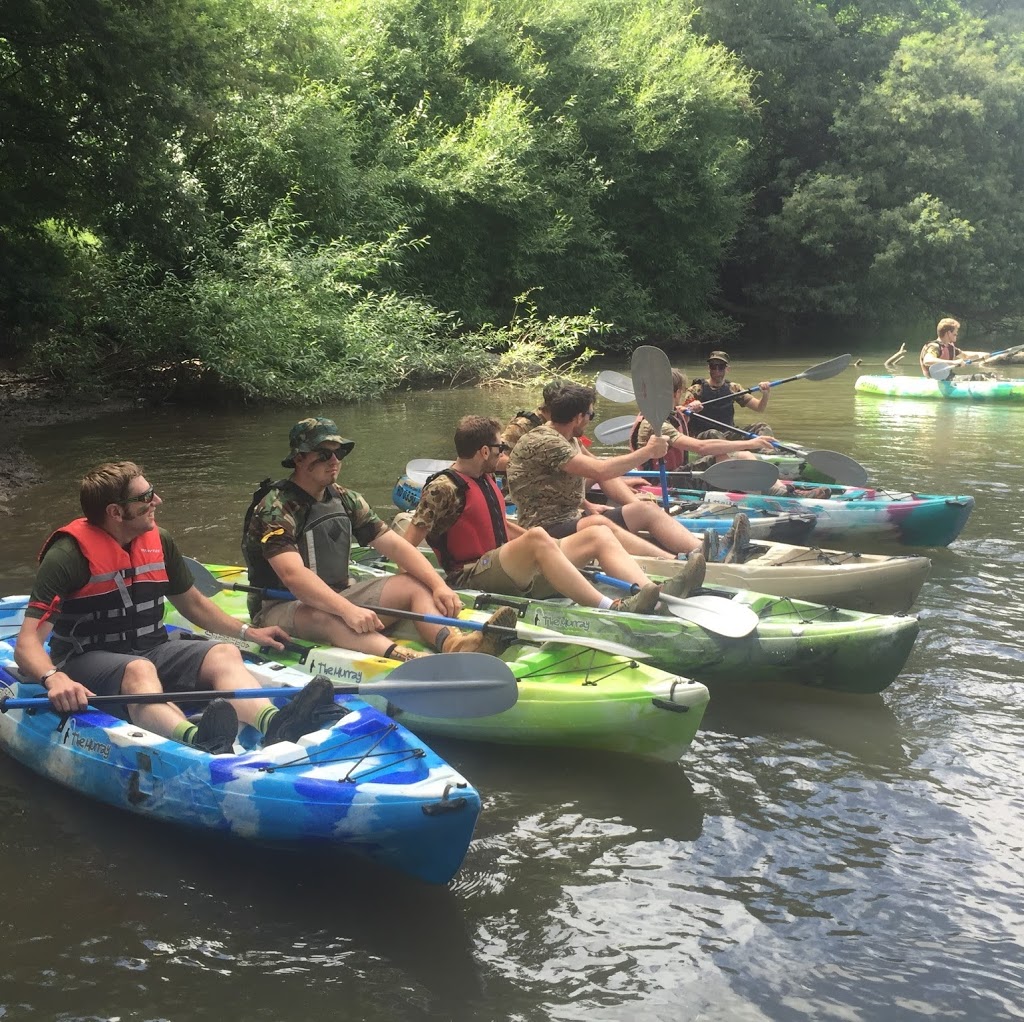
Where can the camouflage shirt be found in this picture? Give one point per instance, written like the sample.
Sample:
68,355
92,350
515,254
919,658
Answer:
278,519
521,424
543,492
440,506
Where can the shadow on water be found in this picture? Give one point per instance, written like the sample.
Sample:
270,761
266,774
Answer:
154,904
861,726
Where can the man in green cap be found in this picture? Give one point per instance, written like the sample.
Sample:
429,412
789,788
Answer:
297,536
722,413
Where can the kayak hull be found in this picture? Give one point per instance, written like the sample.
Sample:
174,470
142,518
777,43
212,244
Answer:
569,696
874,583
364,785
941,390
795,640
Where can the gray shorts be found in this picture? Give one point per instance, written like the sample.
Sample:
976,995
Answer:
282,612
177,662
559,530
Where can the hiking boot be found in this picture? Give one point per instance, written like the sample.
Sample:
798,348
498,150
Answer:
403,654
484,642
690,577
217,729
737,540
642,602
710,546
303,714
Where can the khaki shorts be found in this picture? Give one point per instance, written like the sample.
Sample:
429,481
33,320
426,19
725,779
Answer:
282,612
489,576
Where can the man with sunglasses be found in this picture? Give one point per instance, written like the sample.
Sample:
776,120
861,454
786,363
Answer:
297,536
461,514
724,412
99,596
548,473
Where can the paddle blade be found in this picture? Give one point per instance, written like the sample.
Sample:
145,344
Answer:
826,370
714,614
742,474
615,387
940,372
205,581
652,380
615,431
449,685
543,636
838,467
426,466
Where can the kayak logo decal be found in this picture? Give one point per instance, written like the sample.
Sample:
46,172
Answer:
316,666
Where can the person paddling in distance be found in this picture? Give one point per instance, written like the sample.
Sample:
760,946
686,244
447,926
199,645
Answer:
547,475
297,536
717,386
99,596
462,516
944,352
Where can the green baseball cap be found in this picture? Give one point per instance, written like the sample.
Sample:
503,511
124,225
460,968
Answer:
719,356
310,433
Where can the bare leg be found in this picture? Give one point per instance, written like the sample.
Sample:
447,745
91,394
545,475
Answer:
223,668
603,546
536,552
663,527
633,544
161,718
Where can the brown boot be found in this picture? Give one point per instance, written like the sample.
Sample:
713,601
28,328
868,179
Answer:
642,602
690,577
403,654
484,642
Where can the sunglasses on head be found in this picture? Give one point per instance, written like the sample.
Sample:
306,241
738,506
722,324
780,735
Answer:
146,497
323,454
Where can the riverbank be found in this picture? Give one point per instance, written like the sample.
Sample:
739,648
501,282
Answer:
28,402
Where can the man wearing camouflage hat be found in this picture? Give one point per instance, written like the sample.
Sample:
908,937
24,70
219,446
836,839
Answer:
722,413
297,536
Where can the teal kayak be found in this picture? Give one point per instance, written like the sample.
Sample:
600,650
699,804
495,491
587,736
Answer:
940,390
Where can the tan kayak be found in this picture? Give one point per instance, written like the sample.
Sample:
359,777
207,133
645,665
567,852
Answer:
869,582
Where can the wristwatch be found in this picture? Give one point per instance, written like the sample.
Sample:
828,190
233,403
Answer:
47,674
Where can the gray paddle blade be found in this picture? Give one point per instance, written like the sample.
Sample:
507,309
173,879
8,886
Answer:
826,370
940,372
652,381
449,685
839,467
615,387
419,470
615,431
205,581
742,474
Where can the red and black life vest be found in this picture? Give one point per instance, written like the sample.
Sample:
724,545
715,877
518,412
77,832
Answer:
480,527
121,607
674,458
947,352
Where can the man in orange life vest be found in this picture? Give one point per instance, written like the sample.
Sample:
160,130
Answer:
99,593
461,514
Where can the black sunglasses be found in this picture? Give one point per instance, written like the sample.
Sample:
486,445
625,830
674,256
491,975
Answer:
146,497
323,454
716,365
590,415
503,448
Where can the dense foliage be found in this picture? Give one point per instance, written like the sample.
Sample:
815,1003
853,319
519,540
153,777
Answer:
313,197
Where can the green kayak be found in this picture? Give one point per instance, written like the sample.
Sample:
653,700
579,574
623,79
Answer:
941,390
794,641
568,695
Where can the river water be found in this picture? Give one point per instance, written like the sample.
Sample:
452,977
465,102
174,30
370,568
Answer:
811,857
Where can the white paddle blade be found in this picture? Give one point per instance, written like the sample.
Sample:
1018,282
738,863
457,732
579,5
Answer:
714,614
615,387
938,371
426,467
615,431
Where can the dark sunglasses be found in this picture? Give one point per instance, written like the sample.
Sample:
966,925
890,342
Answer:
503,448
590,415
323,454
146,497
716,365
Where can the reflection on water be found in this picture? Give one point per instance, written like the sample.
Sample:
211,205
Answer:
812,856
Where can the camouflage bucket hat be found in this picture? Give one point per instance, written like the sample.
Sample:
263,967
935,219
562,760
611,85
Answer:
719,356
310,433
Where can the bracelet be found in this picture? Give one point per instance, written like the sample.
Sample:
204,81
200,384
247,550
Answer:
48,674
245,628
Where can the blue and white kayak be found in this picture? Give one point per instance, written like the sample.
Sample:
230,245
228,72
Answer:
364,784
